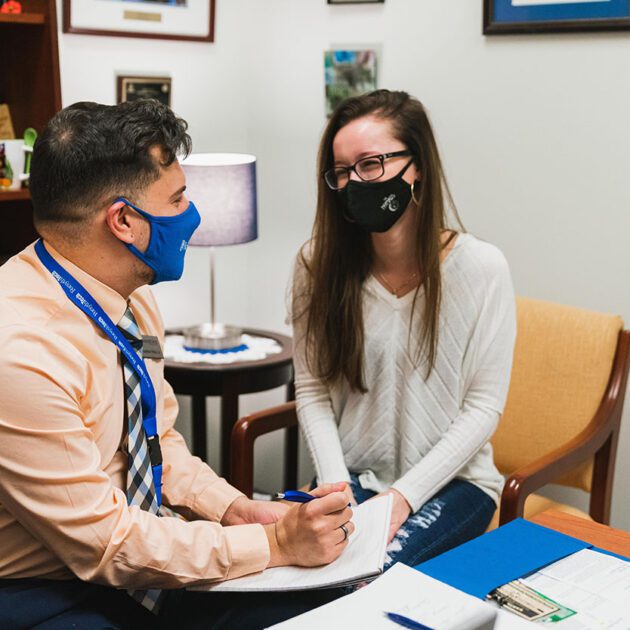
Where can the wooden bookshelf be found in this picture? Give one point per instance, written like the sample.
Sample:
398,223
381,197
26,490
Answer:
22,18
15,195
31,86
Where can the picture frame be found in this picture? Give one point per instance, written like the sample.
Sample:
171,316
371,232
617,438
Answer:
503,17
133,88
356,1
187,20
349,71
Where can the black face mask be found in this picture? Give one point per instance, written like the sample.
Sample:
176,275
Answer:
376,206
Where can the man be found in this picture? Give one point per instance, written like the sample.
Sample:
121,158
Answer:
92,471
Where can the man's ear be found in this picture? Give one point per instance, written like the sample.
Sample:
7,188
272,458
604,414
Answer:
120,220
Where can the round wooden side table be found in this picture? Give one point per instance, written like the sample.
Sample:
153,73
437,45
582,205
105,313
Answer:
229,381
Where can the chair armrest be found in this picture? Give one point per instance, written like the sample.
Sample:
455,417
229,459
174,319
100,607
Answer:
586,444
547,469
245,433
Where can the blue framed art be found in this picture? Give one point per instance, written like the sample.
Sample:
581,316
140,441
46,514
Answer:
554,16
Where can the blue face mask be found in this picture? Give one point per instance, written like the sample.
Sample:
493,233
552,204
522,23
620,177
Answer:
168,241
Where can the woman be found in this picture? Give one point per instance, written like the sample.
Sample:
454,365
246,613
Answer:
404,331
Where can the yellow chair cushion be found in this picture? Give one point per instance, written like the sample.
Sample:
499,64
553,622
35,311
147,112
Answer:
535,504
562,363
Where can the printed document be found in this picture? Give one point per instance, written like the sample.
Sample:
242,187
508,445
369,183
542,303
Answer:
593,584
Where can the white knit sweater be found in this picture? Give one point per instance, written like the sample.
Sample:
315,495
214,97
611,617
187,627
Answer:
412,434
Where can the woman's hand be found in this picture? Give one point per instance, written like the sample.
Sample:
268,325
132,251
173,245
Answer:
401,510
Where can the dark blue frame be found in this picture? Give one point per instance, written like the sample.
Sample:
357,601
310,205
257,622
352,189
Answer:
500,16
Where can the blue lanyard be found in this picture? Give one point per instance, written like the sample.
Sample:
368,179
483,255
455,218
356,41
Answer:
84,301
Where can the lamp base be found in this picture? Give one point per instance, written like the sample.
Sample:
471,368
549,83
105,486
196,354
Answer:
212,337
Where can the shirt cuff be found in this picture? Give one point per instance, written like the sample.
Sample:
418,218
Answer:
333,474
415,499
249,549
216,498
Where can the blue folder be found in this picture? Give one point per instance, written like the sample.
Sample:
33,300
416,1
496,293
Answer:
500,556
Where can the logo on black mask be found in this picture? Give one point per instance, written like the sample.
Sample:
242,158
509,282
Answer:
390,203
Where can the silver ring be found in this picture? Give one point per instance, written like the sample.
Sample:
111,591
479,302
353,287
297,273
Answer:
345,532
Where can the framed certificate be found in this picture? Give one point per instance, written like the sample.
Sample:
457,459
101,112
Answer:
554,16
191,20
135,88
355,1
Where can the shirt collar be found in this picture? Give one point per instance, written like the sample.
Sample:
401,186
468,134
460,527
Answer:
109,300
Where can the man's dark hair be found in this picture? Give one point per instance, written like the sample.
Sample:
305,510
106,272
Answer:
89,154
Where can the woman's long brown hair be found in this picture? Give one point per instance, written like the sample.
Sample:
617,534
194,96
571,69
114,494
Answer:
340,255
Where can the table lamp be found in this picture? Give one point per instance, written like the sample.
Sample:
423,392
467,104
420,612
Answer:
223,187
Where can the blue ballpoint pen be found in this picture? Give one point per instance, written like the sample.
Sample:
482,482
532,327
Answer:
295,496
405,622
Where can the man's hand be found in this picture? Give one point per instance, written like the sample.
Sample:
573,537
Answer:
244,510
401,511
351,499
310,534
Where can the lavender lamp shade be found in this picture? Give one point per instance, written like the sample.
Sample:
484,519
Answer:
223,187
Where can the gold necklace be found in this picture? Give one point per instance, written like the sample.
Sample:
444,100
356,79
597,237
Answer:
396,290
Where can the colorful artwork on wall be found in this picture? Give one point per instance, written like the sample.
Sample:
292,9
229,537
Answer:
348,73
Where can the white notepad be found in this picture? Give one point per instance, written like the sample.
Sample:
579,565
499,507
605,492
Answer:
362,558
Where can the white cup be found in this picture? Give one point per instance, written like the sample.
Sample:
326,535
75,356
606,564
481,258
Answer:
14,153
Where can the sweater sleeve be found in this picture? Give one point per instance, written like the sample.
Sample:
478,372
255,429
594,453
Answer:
487,365
314,406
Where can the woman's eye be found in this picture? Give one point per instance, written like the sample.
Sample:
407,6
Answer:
370,165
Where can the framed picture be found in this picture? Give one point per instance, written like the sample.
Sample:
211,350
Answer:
348,73
356,1
191,20
135,88
554,16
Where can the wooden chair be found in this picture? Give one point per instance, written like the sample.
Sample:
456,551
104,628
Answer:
563,410
561,419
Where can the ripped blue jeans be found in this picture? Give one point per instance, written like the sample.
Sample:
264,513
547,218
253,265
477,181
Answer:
458,512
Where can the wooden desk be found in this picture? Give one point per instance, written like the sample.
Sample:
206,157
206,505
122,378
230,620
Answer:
601,536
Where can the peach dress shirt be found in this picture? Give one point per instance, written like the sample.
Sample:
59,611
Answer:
63,471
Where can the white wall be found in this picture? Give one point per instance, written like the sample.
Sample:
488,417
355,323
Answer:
534,134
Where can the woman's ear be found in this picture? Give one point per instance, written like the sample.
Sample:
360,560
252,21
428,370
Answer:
417,166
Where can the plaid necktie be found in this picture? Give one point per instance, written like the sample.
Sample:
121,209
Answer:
140,487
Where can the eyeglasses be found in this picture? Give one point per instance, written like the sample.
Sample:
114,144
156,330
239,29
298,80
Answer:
367,169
